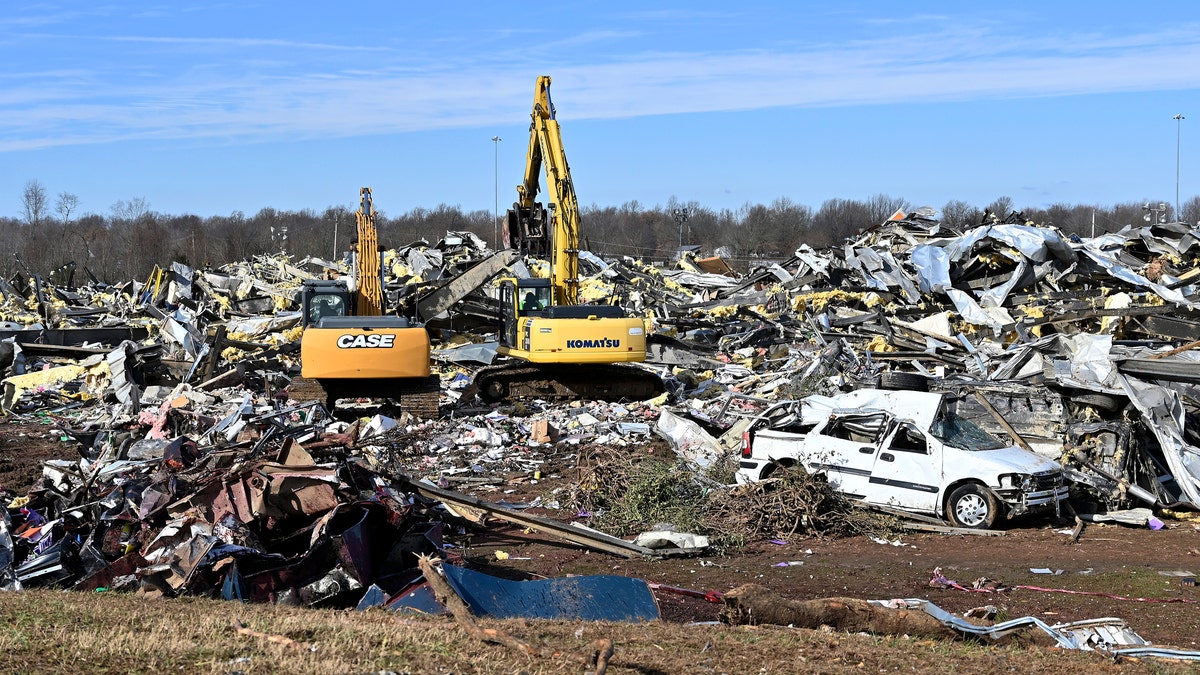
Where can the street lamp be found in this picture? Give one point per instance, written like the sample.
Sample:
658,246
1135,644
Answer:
1154,213
681,216
1178,126
496,206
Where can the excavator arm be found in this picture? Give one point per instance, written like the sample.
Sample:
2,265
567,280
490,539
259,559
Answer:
369,300
527,222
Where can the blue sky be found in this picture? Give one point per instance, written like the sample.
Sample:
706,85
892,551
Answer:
214,107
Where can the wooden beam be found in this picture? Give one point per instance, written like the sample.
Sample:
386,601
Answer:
1003,422
591,539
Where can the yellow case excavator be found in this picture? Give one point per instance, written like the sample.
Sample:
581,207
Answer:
349,348
562,349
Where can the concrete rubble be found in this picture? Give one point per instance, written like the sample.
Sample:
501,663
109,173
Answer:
196,474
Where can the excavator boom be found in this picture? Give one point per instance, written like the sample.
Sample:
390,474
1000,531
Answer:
546,153
369,272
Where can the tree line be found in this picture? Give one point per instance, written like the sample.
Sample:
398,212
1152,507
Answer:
127,242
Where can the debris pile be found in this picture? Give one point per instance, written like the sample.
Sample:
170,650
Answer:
197,474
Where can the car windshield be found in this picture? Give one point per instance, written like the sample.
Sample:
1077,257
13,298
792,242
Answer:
963,434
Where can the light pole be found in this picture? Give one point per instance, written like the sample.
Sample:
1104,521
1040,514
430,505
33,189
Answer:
496,206
1154,214
1178,130
681,216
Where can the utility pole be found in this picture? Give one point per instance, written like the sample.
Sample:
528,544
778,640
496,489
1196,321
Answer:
496,206
1178,131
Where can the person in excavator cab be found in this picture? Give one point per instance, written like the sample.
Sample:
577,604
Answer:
531,303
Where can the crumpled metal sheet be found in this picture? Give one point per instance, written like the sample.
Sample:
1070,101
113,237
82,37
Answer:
1127,275
278,491
1109,635
1035,243
1164,411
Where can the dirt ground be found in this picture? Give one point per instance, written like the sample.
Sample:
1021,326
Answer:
1106,562
25,443
1111,571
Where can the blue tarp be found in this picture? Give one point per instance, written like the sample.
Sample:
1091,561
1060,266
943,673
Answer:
589,598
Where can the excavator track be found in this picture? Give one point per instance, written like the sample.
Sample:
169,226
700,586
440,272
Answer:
604,382
418,397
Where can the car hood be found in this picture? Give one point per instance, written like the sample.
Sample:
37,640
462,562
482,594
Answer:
1008,460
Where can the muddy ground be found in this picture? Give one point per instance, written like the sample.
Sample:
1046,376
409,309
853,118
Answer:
1110,571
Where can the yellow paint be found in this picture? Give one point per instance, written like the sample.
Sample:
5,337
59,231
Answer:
408,355
550,340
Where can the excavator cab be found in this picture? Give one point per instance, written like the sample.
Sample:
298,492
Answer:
324,298
521,299
535,295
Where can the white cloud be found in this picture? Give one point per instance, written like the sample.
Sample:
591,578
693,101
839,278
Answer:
267,89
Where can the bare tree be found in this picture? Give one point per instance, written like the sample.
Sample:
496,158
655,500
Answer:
66,205
35,202
958,213
1001,207
838,219
882,207
131,211
1191,211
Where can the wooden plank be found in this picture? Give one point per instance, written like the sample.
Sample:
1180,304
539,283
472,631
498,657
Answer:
1178,350
591,539
1003,422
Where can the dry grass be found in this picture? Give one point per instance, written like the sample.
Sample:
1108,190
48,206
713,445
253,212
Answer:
48,631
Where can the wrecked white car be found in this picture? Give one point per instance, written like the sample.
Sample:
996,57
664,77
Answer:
906,450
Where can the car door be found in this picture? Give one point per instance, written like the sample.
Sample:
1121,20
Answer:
844,450
906,472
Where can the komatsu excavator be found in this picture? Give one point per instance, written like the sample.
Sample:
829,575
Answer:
349,348
561,349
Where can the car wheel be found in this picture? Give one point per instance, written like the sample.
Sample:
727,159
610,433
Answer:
903,381
974,507
1099,401
772,467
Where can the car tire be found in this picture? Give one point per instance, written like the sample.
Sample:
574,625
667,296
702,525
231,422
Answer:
1099,401
772,467
974,507
903,381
